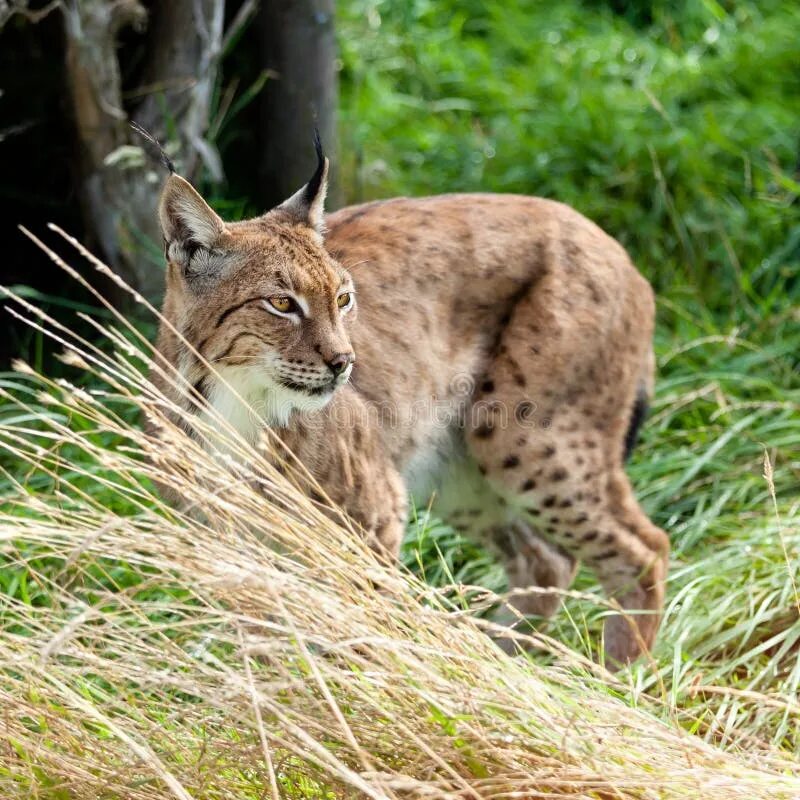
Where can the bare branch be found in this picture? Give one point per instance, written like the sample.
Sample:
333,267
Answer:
119,192
10,8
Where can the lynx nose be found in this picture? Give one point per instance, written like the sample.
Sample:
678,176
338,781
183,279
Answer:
340,362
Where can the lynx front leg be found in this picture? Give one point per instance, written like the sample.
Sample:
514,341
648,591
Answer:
373,494
344,452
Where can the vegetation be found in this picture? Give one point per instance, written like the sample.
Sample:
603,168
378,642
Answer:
148,654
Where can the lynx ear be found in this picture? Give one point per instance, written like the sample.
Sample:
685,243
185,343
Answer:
307,206
188,224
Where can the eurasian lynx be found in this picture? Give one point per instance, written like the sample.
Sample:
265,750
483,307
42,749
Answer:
491,350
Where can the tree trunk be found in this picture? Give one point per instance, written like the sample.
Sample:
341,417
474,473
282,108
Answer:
119,192
298,44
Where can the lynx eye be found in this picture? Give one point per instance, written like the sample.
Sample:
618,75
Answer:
283,304
344,300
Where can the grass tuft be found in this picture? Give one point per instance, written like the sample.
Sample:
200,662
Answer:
248,646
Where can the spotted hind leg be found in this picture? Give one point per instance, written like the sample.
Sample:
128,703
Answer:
591,514
548,431
533,566
468,502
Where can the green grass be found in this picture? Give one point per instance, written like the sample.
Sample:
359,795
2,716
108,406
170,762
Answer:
674,126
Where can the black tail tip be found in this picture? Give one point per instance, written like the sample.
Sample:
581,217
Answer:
165,160
639,411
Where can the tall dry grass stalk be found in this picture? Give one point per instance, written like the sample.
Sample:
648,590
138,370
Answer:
247,646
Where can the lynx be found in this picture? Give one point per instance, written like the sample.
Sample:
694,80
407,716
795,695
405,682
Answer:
492,352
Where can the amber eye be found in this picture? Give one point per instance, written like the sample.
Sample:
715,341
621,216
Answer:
343,300
284,304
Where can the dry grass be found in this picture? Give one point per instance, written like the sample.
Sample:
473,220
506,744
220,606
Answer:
249,647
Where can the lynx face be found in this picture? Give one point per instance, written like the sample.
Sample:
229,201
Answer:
261,302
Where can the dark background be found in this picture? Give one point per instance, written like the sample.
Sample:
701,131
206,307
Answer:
266,157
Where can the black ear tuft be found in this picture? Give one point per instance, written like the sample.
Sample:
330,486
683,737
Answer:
307,205
312,187
150,139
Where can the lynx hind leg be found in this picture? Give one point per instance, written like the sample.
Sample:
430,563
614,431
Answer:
588,510
467,501
531,561
551,437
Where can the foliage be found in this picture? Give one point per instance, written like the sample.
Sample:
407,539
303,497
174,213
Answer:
673,125
679,138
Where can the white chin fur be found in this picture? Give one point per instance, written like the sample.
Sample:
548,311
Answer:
263,400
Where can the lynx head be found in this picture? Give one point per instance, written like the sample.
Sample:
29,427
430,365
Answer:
261,301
